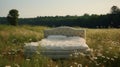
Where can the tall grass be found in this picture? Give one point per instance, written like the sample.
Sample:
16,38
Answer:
12,40
105,44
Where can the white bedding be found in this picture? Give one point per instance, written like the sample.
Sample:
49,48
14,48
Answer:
60,42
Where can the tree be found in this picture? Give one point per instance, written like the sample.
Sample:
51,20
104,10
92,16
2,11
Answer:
115,10
13,17
115,16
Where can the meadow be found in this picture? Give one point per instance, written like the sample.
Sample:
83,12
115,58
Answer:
104,44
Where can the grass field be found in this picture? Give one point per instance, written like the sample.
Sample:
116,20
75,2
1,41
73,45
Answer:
104,43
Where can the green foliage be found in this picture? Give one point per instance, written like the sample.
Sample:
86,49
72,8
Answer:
89,21
13,17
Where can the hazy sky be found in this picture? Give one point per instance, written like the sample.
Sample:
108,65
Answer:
33,8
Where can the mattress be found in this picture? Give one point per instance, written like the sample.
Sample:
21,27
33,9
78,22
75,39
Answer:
59,45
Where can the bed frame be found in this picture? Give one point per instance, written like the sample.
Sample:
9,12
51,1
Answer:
67,31
58,54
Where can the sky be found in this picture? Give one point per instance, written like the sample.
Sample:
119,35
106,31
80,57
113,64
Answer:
34,8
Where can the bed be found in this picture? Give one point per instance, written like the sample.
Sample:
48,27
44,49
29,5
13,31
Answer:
59,42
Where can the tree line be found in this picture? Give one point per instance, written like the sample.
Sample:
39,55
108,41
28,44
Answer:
111,19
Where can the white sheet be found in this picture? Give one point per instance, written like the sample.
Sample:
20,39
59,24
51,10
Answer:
60,42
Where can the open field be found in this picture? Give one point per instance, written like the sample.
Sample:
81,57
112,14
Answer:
104,43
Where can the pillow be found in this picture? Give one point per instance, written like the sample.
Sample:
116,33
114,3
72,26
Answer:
56,37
